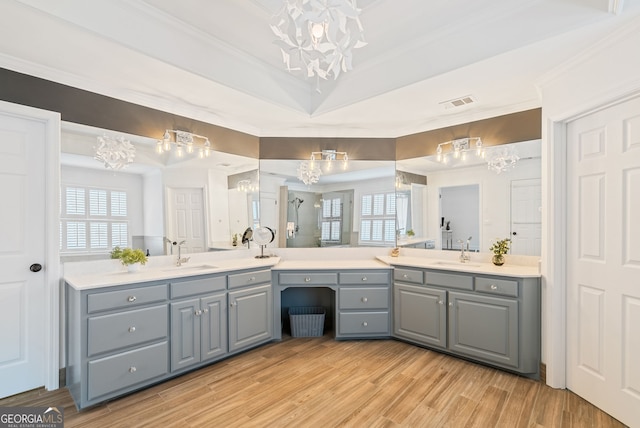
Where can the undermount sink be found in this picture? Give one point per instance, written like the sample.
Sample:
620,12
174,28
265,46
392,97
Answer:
187,267
452,263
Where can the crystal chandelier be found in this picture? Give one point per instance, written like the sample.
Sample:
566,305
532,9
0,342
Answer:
502,159
184,142
247,186
115,153
309,172
459,148
317,36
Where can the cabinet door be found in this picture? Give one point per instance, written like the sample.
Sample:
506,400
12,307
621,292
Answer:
214,326
185,334
250,316
420,314
484,327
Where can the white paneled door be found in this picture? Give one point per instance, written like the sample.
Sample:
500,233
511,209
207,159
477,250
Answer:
186,219
603,259
526,217
22,253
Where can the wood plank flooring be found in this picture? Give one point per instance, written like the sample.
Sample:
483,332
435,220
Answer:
320,382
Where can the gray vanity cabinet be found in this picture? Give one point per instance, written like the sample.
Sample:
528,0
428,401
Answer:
494,320
117,340
420,314
198,330
250,309
198,321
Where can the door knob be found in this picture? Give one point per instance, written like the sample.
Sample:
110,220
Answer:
514,233
36,267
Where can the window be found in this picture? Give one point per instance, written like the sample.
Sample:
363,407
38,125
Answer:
378,219
92,219
331,224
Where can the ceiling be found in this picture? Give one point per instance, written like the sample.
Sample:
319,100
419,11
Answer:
215,61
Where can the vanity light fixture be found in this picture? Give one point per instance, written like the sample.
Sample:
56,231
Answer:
316,37
309,171
182,142
246,186
115,153
459,148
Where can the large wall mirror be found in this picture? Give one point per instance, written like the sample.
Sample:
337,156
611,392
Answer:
464,200
352,204
156,202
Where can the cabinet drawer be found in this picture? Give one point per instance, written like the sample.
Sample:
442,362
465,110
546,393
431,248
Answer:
408,275
119,299
116,331
353,278
451,280
249,278
364,298
303,278
107,375
364,322
502,287
198,286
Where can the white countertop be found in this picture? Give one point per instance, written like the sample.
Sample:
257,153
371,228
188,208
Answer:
85,281
507,269
104,273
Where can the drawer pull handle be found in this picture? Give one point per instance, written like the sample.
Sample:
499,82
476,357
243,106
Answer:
132,329
307,279
494,287
132,369
364,324
131,298
365,300
364,278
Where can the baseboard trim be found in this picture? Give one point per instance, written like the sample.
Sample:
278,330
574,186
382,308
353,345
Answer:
543,373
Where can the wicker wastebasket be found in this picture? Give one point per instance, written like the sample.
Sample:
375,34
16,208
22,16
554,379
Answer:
307,321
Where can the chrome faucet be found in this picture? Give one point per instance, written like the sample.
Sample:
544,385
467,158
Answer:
464,255
180,258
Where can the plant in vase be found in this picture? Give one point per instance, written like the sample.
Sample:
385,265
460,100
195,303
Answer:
129,257
499,249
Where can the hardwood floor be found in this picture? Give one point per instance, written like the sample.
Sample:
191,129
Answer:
320,382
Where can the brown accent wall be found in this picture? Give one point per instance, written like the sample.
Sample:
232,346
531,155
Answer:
301,148
88,108
509,128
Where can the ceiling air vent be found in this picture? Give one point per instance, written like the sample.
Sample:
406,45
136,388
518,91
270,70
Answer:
458,102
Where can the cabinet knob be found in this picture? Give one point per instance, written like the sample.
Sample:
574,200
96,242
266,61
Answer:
132,329
364,300
440,302
198,312
405,276
307,279
364,278
132,369
494,287
450,303
232,304
253,278
131,298
364,324
205,310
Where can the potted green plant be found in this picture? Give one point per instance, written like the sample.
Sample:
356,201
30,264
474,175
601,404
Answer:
410,233
129,257
499,249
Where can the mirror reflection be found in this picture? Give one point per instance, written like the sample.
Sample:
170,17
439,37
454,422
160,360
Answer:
472,197
156,203
349,205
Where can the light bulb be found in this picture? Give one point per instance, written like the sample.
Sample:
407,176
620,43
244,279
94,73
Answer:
189,147
179,151
159,148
